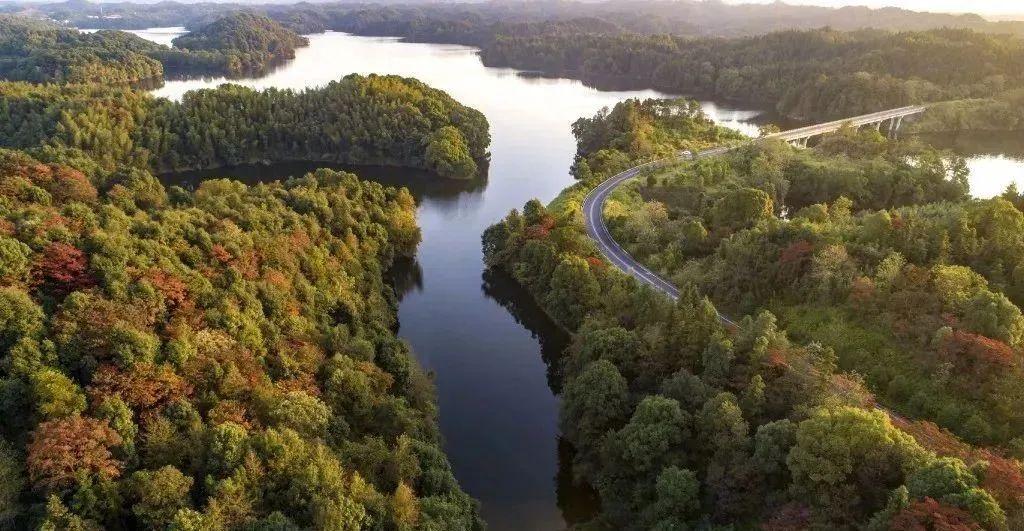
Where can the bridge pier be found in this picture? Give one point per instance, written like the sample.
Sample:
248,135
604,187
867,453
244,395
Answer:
894,126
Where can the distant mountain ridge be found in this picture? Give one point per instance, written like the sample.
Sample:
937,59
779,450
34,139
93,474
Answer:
684,17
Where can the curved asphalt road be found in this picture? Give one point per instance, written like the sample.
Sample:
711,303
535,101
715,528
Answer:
593,215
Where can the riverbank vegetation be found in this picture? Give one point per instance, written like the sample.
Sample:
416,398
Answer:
810,75
680,421
38,52
235,45
216,359
373,119
852,61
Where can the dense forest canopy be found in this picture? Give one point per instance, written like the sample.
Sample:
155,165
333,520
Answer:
235,45
361,119
810,75
681,422
43,53
216,359
244,43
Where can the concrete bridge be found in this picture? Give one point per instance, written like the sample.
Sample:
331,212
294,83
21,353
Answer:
893,116
593,205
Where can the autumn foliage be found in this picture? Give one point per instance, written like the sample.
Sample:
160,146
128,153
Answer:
147,388
59,449
61,269
930,515
976,355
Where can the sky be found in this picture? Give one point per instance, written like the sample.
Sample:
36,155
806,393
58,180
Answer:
982,7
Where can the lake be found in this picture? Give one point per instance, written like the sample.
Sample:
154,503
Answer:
493,353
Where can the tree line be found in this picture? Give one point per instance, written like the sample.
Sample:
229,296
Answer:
680,421
373,119
234,45
218,359
808,75
646,17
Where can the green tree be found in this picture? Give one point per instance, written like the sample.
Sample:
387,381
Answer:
160,494
573,291
594,402
56,396
742,208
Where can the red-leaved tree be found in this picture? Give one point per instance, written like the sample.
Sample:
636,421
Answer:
930,515
61,269
61,448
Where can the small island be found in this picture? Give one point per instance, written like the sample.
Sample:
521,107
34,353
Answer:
376,120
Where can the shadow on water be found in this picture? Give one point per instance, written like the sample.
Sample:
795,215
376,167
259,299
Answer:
975,144
405,277
504,290
577,500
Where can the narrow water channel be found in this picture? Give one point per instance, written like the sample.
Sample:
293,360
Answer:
493,353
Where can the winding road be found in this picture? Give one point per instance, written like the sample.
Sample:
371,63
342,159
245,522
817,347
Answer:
593,215
593,205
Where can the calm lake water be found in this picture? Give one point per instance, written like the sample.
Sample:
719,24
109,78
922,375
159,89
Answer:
493,353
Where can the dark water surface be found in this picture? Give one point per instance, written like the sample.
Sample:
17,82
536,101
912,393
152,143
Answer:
493,352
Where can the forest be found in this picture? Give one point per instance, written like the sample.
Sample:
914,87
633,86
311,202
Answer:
217,359
235,45
812,75
386,120
44,53
808,64
688,17
811,412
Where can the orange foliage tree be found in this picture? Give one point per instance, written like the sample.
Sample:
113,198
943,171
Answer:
147,388
61,448
930,515
61,269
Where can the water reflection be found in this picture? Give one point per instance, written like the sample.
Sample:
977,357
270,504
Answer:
995,160
578,501
405,277
512,296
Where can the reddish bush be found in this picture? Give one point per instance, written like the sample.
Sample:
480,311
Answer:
61,448
68,184
977,355
61,269
862,290
171,287
147,388
930,515
221,254
796,252
537,232
1004,478
789,517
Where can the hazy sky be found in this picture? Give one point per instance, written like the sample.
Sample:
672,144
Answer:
983,7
